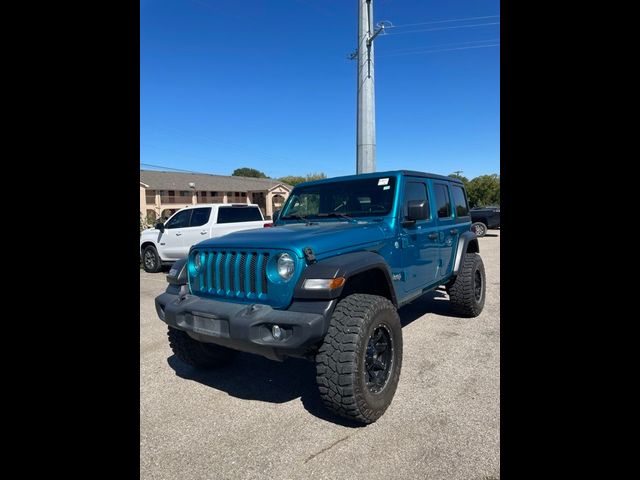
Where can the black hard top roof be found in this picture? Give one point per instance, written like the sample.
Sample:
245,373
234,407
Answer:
409,173
413,173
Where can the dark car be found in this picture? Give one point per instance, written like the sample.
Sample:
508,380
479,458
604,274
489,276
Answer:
485,218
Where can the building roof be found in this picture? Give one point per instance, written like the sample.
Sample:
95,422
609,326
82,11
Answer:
158,180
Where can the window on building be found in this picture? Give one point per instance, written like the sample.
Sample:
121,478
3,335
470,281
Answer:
442,200
460,201
172,193
203,194
243,194
185,193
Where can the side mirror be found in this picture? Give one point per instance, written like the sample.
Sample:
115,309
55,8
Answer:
416,210
160,226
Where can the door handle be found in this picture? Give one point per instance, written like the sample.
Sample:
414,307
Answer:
433,236
453,231
204,232
178,234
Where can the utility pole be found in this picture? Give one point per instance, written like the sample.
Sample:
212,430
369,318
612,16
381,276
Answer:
366,116
366,109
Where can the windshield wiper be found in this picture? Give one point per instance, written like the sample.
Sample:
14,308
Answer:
336,214
297,217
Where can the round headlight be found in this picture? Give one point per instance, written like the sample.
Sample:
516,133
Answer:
286,265
197,260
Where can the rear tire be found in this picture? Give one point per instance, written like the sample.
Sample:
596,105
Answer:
468,290
479,228
358,365
198,354
151,260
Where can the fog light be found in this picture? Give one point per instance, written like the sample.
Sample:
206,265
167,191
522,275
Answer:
276,331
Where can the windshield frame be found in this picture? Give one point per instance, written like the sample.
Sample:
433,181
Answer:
391,180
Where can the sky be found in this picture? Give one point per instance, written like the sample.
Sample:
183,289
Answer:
267,84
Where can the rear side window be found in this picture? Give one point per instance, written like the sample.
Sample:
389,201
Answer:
442,200
416,191
238,214
460,201
200,216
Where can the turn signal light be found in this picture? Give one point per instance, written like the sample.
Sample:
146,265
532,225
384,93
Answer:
323,283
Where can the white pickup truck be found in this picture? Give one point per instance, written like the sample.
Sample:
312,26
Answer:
171,241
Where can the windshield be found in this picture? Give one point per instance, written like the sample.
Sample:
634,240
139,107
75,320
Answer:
355,198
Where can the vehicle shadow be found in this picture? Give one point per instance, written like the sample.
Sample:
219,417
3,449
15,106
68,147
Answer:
252,377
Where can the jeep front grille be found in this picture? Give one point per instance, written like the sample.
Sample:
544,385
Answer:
232,273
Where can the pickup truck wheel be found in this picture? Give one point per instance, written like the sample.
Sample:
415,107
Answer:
198,354
358,365
151,260
479,228
467,292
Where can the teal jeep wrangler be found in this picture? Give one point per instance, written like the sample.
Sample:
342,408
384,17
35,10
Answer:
325,283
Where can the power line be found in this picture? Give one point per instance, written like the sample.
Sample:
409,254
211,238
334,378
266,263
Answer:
445,28
413,49
441,50
167,168
443,21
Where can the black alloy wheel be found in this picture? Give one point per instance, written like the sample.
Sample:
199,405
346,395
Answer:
378,359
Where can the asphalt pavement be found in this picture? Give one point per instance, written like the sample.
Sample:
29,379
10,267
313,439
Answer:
260,419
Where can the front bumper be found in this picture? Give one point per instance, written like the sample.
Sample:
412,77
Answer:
247,327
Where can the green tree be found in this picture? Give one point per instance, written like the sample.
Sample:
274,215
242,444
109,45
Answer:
291,180
484,190
462,178
248,172
309,177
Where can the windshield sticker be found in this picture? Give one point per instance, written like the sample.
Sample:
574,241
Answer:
383,181
387,187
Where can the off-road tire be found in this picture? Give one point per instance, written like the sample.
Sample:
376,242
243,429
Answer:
341,365
198,354
150,253
463,293
481,227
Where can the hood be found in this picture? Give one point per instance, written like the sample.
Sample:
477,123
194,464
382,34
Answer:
321,237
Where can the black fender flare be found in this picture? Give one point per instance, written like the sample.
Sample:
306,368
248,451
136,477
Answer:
178,273
346,265
467,241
